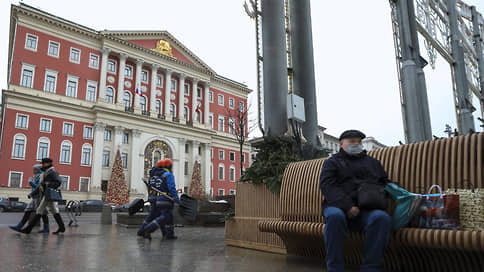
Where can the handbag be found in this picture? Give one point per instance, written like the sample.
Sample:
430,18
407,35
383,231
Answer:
52,194
471,208
407,205
372,196
438,211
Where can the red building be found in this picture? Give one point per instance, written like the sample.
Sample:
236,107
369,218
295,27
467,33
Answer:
79,96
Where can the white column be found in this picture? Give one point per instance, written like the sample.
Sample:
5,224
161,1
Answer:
167,94
180,183
139,66
194,100
134,158
102,78
122,66
181,98
154,73
206,168
97,154
118,138
206,106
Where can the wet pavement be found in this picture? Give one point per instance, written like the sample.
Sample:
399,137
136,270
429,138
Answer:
95,247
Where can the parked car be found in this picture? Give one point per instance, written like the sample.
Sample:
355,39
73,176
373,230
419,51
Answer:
93,205
7,205
124,208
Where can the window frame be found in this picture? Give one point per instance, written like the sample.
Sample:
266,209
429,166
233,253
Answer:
98,58
63,129
221,155
212,124
160,79
68,182
88,183
233,103
125,136
69,162
221,128
91,83
106,94
108,160
124,154
218,100
232,168
70,55
75,79
232,192
37,158
50,125
110,135
130,68
29,67
58,49
23,149
115,62
84,132
218,192
86,146
173,85
147,81
53,73
26,123
144,107
186,89
210,97
10,178
160,111
199,92
230,155
221,166
36,42
174,109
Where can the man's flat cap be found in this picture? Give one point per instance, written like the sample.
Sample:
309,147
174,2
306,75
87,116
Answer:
351,134
46,160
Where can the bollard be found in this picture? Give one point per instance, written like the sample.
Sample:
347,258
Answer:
106,215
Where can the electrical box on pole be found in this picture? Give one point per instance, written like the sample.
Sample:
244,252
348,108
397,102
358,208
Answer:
295,108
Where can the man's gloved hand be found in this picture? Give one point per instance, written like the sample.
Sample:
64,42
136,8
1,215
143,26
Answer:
353,212
29,196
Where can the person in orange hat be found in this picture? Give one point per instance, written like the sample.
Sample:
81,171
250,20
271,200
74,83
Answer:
164,203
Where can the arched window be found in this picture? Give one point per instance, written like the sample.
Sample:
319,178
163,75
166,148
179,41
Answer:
158,106
110,95
198,116
221,171
232,173
127,99
43,147
172,109
157,155
86,155
185,113
66,152
19,143
142,102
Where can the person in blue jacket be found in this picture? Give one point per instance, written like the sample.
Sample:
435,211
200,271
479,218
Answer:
162,201
339,186
34,203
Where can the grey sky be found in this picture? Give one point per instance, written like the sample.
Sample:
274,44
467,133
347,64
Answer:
356,75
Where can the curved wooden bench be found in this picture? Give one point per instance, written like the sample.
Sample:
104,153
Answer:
445,162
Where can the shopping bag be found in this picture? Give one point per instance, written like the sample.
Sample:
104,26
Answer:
437,211
471,208
406,205
52,194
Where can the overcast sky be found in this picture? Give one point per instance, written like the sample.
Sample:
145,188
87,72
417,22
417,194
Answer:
355,66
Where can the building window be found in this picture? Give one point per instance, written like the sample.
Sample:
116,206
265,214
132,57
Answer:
72,83
83,184
210,97
75,55
210,120
66,148
231,126
232,156
221,172
211,171
231,103
173,85
43,148
125,138
186,168
198,116
221,192
93,61
105,158
242,158
158,106
220,100
124,160
91,92
45,125
65,182
142,102
185,113
110,95
50,81
221,155
144,76
232,173
186,148
128,71
53,49
112,66
27,75
127,99
86,155
221,123
15,179
107,135
199,150
232,192
159,80
19,146
187,89
156,156
199,92
241,106
88,132
22,121
68,129
31,42
172,109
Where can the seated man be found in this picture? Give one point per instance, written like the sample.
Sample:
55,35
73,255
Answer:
341,178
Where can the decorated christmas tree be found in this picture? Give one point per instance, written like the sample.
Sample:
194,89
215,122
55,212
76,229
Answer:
196,188
117,188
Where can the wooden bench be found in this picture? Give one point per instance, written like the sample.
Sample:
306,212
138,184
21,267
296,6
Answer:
445,162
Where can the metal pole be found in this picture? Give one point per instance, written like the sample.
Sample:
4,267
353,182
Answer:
275,67
480,55
303,65
415,109
465,120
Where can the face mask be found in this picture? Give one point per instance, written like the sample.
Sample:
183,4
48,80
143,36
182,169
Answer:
355,149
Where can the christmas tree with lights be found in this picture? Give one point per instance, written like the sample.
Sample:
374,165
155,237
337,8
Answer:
117,192
196,188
